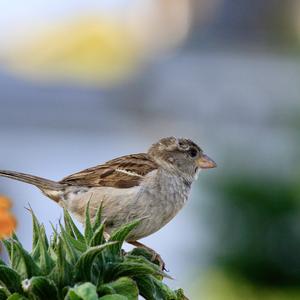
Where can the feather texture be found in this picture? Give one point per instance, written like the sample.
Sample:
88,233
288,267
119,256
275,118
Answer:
122,172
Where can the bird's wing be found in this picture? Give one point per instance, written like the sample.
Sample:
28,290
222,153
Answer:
123,172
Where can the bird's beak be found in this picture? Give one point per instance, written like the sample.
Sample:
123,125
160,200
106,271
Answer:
205,162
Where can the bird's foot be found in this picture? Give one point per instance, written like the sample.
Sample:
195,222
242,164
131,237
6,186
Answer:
155,257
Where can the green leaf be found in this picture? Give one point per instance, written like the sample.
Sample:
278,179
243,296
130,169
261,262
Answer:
131,269
180,295
22,262
71,228
139,251
123,286
145,254
40,237
120,236
88,230
153,289
135,266
114,297
40,288
72,296
83,268
40,247
16,296
97,238
10,279
16,261
62,274
97,219
78,245
72,254
85,291
14,236
8,246
67,222
4,293
45,261
53,244
35,229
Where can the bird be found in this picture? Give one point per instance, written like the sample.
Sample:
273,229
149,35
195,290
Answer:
152,187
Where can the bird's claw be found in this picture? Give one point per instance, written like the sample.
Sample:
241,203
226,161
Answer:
156,257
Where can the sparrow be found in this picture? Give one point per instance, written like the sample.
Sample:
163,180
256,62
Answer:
152,187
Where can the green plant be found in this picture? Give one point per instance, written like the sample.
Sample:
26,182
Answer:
76,266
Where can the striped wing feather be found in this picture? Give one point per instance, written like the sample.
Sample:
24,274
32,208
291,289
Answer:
122,172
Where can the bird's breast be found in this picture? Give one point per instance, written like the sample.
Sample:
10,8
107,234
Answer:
156,201
168,193
159,200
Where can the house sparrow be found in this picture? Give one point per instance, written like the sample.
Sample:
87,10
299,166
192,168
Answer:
150,186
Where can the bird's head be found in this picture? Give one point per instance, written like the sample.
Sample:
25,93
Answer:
180,155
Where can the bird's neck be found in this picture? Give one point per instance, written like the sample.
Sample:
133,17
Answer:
174,183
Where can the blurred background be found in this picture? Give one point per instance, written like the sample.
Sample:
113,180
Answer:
83,82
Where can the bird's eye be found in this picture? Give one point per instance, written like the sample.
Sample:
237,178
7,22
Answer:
193,152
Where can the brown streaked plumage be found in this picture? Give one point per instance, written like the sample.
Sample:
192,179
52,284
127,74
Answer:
110,174
150,186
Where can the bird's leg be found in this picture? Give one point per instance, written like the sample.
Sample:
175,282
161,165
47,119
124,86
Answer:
155,255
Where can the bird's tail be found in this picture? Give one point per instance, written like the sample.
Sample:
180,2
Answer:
41,183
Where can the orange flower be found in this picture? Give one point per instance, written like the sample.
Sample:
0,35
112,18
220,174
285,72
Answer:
7,220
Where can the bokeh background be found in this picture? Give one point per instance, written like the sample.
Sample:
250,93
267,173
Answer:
82,82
